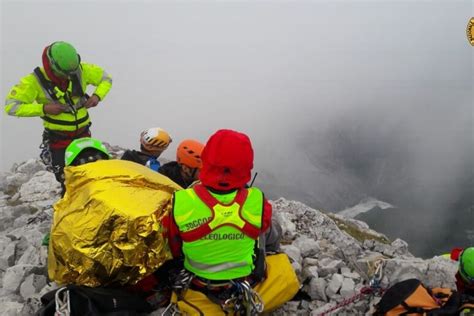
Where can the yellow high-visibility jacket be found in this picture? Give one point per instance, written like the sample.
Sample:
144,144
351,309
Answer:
28,97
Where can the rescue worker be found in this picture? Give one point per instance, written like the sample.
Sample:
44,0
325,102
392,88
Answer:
153,142
465,274
218,226
81,151
185,170
84,150
56,93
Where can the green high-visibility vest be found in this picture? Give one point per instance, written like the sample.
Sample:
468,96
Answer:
28,97
226,251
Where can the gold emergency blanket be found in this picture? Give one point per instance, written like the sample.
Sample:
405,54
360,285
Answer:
107,228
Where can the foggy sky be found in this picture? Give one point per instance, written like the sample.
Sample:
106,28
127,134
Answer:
390,75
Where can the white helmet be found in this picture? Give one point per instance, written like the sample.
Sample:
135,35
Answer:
155,139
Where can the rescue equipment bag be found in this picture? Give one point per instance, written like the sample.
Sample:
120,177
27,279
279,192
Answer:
75,300
411,297
280,285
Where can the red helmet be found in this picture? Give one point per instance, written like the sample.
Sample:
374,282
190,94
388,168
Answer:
227,160
189,153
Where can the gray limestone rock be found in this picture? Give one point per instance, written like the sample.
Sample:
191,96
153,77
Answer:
328,266
346,272
32,285
347,288
3,180
317,289
7,258
310,262
14,181
31,167
42,186
15,275
308,246
310,272
10,308
31,306
400,247
297,267
334,285
293,252
30,256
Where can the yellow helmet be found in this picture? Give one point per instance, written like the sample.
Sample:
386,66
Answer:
155,138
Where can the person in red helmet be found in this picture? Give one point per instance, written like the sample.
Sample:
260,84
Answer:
185,170
219,225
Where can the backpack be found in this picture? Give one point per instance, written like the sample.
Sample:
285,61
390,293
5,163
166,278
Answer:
411,297
73,300
467,305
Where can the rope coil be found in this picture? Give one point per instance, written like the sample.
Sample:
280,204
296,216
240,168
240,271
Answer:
63,304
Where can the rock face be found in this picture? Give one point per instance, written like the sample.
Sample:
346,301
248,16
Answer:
333,256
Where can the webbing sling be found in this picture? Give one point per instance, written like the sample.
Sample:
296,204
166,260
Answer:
76,87
47,85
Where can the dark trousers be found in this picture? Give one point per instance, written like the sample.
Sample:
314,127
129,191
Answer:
54,157
57,161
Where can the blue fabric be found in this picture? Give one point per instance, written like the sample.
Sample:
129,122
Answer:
153,164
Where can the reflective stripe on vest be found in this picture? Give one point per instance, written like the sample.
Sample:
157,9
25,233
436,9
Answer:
216,267
216,239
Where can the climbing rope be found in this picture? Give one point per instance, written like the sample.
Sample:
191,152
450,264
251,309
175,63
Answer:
63,304
374,288
374,283
171,310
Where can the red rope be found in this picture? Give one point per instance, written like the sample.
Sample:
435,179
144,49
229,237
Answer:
367,290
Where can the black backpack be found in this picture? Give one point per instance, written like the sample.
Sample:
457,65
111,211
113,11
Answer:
86,301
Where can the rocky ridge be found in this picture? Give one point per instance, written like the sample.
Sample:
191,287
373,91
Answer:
333,256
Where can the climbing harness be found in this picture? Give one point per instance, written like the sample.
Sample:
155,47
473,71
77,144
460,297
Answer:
63,304
248,299
179,284
374,288
239,297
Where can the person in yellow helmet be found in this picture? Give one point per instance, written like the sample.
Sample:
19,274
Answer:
56,93
153,142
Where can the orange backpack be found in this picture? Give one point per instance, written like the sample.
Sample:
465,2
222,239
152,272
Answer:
411,297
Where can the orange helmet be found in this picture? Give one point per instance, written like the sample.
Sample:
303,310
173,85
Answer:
189,153
155,139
